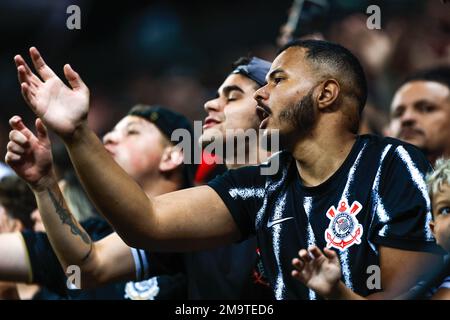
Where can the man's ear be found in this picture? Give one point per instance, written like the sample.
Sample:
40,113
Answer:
171,159
328,92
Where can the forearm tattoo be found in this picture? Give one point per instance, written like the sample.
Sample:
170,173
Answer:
66,218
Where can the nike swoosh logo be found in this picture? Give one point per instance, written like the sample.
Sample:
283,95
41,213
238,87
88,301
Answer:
270,224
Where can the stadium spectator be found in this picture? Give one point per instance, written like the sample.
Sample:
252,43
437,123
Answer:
439,189
420,112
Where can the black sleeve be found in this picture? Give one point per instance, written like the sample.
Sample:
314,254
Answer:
148,265
44,264
242,191
402,203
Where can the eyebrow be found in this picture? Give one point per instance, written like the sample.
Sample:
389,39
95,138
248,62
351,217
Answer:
423,102
226,90
129,124
416,104
444,202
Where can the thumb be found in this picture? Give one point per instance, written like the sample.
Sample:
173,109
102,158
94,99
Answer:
41,130
74,78
17,124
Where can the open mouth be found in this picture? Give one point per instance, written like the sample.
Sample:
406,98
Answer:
263,113
210,122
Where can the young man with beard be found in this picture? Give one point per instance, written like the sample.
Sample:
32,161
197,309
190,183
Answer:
361,195
224,273
420,112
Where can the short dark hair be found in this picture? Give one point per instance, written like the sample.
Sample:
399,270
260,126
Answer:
439,74
337,58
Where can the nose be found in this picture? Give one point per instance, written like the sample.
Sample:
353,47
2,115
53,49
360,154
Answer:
212,105
408,118
111,137
261,94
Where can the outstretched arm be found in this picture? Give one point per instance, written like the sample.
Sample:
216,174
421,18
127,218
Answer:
105,261
184,220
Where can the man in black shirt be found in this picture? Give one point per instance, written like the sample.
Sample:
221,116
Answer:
314,96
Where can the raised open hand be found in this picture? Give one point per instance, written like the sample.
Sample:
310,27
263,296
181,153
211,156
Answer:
63,109
319,271
30,155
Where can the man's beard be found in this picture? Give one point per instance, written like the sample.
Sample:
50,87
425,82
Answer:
301,116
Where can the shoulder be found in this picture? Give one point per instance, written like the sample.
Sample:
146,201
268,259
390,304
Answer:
391,143
397,151
375,141
272,169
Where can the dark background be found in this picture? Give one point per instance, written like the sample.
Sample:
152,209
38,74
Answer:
177,53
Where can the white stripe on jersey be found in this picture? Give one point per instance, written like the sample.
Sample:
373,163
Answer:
419,181
145,264
245,193
378,207
270,188
276,232
307,205
351,173
137,263
343,255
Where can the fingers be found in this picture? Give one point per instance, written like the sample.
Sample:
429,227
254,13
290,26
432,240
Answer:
298,264
298,275
17,124
74,78
305,256
308,256
24,72
315,252
15,148
299,271
41,130
12,158
41,67
330,254
22,75
28,94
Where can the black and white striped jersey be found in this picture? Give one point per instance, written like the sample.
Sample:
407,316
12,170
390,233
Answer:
378,197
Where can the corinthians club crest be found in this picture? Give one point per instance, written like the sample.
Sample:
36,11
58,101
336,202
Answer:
344,229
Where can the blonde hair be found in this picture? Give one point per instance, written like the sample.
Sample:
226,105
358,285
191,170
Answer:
440,176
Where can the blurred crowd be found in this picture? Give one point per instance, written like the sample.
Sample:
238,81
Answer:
173,53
